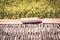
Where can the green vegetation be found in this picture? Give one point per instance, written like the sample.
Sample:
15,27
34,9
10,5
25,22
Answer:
15,9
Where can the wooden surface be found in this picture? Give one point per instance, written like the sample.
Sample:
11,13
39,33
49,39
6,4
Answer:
10,21
20,21
31,20
51,20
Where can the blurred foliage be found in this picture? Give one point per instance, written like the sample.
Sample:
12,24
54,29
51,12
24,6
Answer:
15,9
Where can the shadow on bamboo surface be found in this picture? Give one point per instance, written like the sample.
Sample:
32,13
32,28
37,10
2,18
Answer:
42,31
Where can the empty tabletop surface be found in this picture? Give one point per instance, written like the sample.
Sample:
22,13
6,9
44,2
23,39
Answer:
51,20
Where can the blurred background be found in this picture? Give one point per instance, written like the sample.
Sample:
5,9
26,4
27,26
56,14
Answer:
16,9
